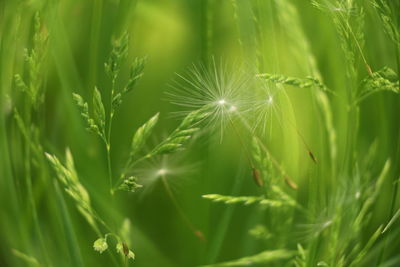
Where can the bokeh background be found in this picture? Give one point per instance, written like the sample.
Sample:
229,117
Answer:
174,35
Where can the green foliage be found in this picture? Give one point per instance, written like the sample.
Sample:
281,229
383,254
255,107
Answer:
241,120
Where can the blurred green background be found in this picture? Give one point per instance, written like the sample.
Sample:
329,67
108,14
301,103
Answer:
173,35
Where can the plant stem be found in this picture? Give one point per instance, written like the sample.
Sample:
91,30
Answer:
94,40
28,180
189,224
108,139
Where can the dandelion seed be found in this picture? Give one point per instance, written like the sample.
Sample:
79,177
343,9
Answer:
161,172
262,108
216,89
314,229
172,167
169,172
221,102
270,100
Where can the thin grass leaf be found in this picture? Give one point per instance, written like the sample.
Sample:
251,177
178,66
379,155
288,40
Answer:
261,258
372,197
70,235
26,258
392,220
367,247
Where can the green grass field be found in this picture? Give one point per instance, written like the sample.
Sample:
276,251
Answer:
212,133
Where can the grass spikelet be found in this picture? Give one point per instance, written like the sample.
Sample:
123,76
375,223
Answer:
245,200
348,18
100,245
90,122
136,72
260,232
293,81
141,135
130,184
388,12
67,175
180,135
383,80
35,59
98,110
284,197
118,54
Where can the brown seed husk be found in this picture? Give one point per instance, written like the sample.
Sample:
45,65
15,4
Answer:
257,177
